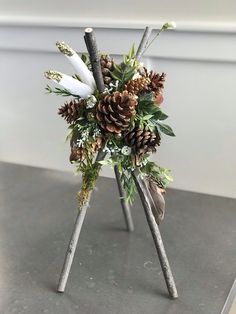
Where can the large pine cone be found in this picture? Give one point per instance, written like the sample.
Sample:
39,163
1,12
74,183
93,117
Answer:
142,141
71,111
138,85
107,65
114,111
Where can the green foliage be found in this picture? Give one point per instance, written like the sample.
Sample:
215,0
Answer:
164,128
126,70
90,172
85,58
150,116
161,175
125,167
59,91
128,185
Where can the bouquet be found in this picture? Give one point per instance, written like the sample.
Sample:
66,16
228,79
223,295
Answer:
114,117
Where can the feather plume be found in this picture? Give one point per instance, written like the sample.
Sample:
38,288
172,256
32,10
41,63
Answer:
157,200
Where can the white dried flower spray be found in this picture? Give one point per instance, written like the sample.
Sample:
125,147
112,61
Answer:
91,101
84,73
72,85
126,150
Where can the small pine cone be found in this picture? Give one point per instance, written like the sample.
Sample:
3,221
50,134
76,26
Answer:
138,85
142,141
77,154
71,111
114,111
107,65
97,144
156,80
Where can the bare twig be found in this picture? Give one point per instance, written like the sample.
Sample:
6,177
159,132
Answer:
144,42
94,58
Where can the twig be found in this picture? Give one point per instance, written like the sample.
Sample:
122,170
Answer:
143,43
145,199
150,42
124,204
94,58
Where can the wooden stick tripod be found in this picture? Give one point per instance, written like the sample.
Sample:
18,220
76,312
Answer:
141,187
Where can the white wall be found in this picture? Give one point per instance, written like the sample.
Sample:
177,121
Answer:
199,59
120,12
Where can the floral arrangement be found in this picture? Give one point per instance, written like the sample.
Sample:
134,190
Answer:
122,121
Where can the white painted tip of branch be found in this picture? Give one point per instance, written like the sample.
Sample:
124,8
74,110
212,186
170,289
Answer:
65,49
53,75
88,30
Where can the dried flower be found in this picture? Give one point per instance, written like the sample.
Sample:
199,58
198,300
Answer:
169,25
91,101
126,150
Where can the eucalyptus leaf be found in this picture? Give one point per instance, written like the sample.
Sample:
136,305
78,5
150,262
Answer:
162,116
166,129
147,117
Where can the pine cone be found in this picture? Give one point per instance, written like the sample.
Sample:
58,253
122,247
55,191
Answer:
156,84
157,81
138,85
114,111
71,111
107,65
97,144
142,141
77,153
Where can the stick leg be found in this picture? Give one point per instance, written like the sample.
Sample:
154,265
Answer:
143,192
75,237
124,204
71,249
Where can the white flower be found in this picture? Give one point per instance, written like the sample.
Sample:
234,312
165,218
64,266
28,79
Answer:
171,25
135,76
85,75
72,85
91,101
126,150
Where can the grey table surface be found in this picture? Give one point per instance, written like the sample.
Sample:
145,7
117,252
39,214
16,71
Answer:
114,271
